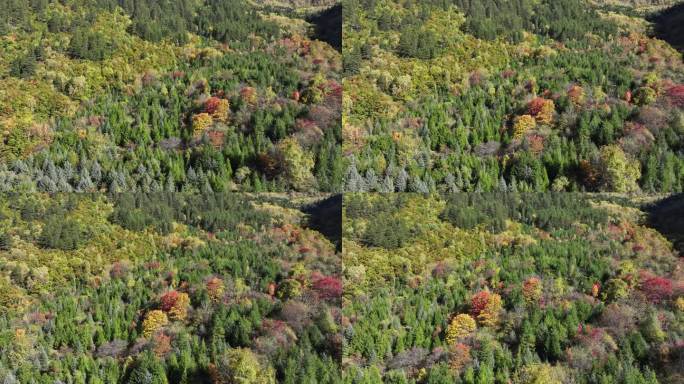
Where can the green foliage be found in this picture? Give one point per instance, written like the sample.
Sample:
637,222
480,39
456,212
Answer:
62,233
387,231
147,369
5,241
241,366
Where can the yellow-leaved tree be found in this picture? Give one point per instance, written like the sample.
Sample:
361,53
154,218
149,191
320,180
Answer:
462,325
522,125
297,164
154,321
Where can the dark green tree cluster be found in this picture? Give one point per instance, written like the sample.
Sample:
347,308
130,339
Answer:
153,20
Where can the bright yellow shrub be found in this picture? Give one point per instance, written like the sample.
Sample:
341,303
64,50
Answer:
489,316
461,326
522,125
154,321
179,311
201,122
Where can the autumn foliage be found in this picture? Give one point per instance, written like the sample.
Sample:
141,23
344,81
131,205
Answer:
485,307
479,302
168,300
248,95
215,289
522,125
462,325
328,287
154,321
655,288
542,110
161,344
676,95
532,290
459,356
576,95
218,108
201,122
179,310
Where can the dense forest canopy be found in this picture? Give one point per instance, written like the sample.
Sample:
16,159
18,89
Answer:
510,288
158,95
521,95
167,288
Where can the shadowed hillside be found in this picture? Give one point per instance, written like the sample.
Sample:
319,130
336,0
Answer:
328,26
669,26
667,216
325,216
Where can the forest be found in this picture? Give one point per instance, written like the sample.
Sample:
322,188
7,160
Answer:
168,288
522,95
151,96
511,288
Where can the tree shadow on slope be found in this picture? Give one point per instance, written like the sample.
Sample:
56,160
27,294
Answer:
325,216
328,26
669,25
667,217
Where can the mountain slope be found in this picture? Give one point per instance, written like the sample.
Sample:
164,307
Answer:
165,288
515,288
157,95
523,95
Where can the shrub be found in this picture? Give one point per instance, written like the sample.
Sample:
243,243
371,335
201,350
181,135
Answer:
175,304
645,96
485,306
576,95
542,110
217,108
179,311
288,289
459,356
168,300
656,288
248,95
676,95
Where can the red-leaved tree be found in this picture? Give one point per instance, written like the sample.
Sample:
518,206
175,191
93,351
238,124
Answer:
535,106
328,287
211,105
479,302
676,95
168,300
655,288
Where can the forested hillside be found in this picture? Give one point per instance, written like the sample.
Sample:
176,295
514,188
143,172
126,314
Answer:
157,95
510,288
167,288
522,95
